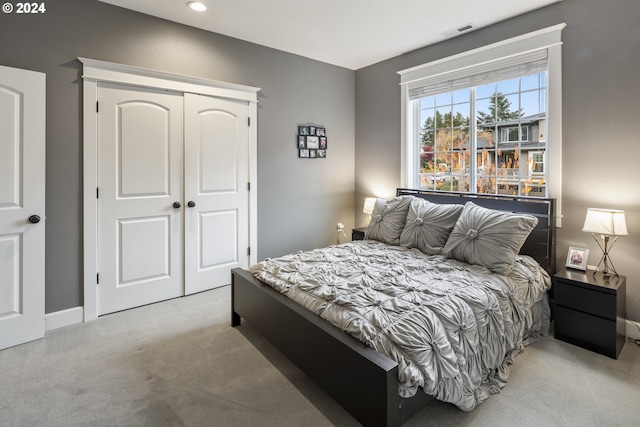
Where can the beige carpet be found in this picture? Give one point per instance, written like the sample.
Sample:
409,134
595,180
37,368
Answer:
179,363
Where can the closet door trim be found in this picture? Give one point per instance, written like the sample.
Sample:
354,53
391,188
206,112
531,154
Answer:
95,71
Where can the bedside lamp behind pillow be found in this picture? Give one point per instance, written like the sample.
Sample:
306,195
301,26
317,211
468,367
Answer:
369,203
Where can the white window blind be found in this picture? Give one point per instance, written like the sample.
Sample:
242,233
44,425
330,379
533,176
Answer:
503,69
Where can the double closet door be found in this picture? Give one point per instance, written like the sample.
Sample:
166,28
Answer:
172,194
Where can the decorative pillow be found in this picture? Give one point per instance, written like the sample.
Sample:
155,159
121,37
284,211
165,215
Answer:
388,219
429,225
488,237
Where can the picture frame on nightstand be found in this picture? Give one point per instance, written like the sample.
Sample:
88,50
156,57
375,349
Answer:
577,258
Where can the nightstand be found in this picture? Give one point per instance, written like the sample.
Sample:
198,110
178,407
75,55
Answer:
590,310
358,233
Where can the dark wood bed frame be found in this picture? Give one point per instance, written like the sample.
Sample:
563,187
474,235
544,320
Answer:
360,379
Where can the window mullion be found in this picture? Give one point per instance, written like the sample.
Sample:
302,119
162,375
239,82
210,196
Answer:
518,172
473,144
417,144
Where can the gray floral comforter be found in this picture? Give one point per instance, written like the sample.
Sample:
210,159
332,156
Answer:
453,328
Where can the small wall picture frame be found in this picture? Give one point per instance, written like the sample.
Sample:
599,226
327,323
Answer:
311,142
577,258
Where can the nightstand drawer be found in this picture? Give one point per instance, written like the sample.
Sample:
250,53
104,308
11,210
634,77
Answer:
586,300
590,332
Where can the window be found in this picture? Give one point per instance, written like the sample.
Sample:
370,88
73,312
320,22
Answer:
514,134
457,139
487,120
537,162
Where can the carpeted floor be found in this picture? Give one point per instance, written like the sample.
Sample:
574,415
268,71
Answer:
179,363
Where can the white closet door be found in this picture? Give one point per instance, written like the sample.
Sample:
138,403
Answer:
140,238
216,181
22,205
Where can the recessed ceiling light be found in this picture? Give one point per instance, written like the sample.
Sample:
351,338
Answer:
197,6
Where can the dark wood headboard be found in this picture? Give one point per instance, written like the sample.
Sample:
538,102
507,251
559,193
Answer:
541,243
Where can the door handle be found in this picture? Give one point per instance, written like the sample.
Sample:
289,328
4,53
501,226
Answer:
191,203
34,219
176,205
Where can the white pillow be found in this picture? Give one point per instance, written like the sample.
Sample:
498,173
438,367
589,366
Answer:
388,219
429,225
488,237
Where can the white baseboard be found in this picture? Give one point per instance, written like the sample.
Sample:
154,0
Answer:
633,330
60,319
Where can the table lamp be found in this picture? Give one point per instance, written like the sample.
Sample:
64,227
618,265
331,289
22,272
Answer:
607,223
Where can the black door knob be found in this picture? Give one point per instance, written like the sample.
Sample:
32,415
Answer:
176,205
34,219
191,203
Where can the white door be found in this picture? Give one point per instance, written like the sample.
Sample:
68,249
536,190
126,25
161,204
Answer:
140,232
22,204
216,190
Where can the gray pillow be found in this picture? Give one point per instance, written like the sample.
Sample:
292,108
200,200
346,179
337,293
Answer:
388,219
488,238
429,225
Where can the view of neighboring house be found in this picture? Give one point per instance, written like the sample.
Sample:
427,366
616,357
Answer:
510,159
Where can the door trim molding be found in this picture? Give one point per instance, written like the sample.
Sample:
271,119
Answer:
103,71
94,72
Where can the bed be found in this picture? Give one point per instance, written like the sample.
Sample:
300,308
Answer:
371,385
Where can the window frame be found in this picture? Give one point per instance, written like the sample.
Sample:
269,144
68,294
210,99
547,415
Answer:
548,39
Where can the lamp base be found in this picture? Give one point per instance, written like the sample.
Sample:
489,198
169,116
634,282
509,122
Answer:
605,261
608,269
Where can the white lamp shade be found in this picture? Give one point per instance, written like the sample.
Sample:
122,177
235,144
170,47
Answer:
369,203
608,222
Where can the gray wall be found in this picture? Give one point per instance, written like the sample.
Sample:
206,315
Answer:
299,201
601,58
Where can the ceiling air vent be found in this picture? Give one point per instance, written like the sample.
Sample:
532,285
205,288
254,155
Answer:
462,29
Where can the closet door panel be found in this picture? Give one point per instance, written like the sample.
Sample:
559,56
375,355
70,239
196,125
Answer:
216,181
140,177
143,145
224,248
219,157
